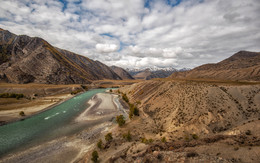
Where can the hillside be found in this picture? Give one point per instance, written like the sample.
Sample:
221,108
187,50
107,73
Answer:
201,122
25,59
243,65
121,72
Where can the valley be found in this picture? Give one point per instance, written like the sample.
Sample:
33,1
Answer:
59,106
60,128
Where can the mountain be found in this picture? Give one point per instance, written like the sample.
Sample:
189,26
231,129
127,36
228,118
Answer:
151,72
123,74
243,65
25,59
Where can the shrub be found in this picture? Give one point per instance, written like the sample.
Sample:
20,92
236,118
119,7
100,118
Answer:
195,136
133,111
248,132
146,141
95,156
108,137
163,139
22,113
75,92
127,136
125,98
100,144
187,138
120,120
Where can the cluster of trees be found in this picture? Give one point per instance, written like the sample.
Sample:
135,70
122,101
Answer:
108,138
134,111
11,95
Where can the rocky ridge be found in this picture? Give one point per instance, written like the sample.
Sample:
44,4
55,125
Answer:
25,59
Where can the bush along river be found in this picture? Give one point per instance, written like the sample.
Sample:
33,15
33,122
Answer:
53,123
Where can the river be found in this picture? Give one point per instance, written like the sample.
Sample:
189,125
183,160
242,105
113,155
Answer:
53,123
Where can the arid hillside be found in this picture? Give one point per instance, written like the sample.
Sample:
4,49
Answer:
243,65
194,106
25,59
189,121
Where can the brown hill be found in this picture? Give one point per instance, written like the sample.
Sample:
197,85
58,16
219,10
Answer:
212,121
121,72
143,74
25,59
150,73
243,65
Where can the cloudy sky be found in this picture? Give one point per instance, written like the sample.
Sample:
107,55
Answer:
140,33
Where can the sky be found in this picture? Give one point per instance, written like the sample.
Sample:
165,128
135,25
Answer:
140,33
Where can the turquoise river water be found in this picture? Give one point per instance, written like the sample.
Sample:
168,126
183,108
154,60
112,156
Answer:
48,125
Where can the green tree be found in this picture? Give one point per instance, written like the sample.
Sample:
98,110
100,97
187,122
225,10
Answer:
108,137
100,144
120,119
95,156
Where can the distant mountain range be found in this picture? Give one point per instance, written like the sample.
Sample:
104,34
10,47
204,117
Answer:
243,65
153,72
25,59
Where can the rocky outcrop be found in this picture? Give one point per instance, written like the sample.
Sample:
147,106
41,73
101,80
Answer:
27,59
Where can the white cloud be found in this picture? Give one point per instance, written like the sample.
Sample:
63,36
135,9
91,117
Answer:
106,48
127,33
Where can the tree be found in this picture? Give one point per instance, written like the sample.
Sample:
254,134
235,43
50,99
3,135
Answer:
120,119
133,111
108,137
100,144
95,156
125,98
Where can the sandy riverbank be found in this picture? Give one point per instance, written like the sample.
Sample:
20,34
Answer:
31,108
101,105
